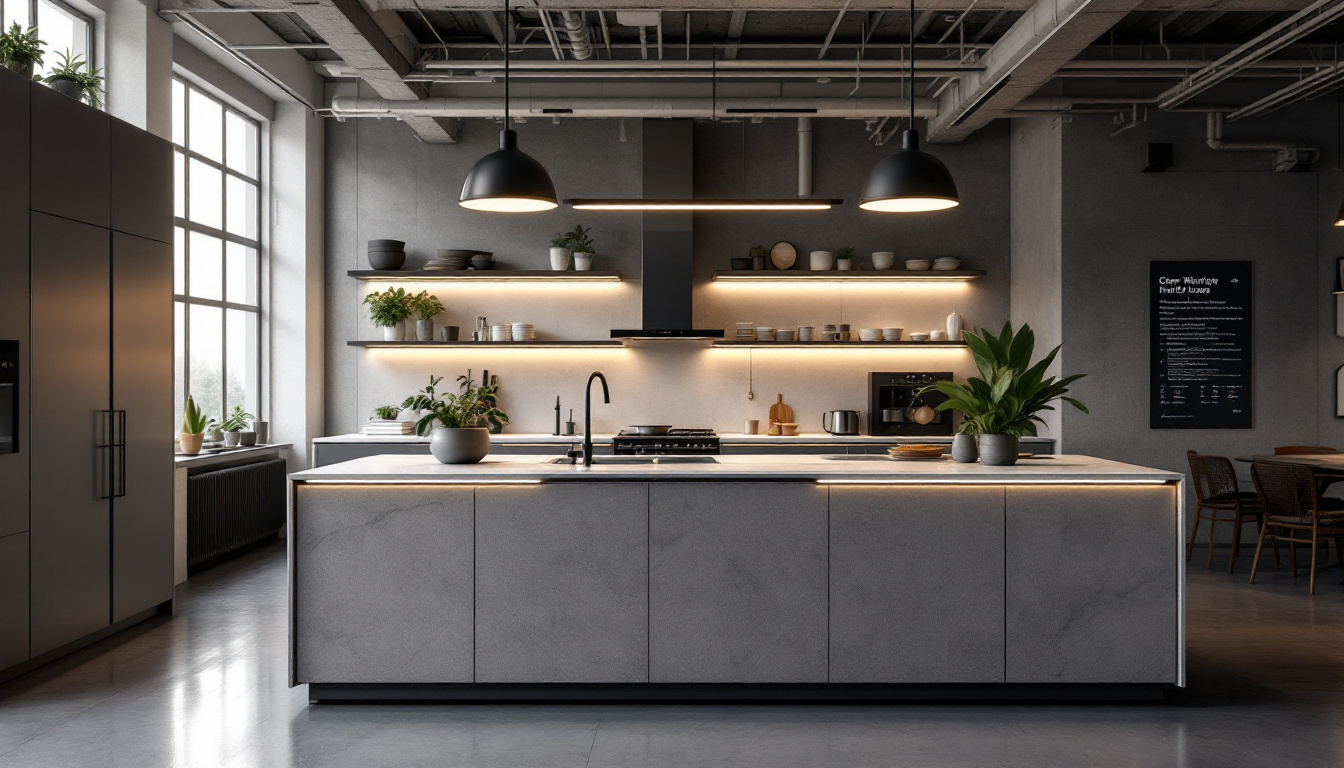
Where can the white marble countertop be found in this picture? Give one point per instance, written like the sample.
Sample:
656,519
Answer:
809,438
1067,469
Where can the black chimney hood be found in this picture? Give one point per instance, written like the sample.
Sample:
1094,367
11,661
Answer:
667,240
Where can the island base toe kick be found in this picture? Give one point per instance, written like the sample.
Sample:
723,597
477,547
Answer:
736,590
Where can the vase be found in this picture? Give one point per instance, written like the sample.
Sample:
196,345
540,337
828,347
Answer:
964,450
395,332
467,445
424,330
844,265
263,430
998,450
821,261
583,262
560,259
191,444
954,326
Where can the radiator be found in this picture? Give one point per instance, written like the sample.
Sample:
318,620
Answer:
228,509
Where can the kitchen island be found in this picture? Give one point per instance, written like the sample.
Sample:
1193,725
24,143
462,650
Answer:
735,577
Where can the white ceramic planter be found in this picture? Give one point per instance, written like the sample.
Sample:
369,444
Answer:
232,439
560,259
844,265
583,262
424,330
396,332
459,446
821,261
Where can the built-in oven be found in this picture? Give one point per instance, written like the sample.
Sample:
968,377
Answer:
898,404
9,396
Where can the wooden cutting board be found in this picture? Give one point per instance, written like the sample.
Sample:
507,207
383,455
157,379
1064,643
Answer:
780,413
783,254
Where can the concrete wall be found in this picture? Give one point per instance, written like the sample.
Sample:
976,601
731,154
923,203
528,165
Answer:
382,183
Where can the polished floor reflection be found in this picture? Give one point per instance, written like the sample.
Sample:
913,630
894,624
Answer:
208,688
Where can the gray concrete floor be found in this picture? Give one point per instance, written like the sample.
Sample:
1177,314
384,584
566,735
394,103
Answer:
207,688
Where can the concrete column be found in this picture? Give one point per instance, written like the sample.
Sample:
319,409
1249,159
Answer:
138,62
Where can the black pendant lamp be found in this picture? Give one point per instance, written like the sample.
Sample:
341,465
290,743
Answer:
910,181
508,181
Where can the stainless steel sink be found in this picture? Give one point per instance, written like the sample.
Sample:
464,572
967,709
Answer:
638,460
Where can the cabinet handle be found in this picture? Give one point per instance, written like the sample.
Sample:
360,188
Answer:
103,454
119,453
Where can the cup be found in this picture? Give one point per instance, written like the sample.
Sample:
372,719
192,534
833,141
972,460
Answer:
937,335
751,426
448,333
805,332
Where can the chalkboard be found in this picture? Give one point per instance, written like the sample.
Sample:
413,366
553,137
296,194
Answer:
1200,345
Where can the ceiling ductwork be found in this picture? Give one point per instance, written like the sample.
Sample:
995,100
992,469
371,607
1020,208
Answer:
693,108
576,29
1288,155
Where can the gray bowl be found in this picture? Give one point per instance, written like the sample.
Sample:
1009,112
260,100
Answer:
386,260
387,245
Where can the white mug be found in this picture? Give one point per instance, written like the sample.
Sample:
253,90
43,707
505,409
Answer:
750,426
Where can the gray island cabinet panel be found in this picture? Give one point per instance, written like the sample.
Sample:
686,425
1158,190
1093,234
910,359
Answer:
1092,584
383,584
916,584
737,583
562,583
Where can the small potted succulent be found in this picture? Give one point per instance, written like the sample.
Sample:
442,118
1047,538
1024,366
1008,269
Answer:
426,307
76,79
459,424
388,310
20,50
844,258
386,412
194,424
235,429
560,252
582,246
758,254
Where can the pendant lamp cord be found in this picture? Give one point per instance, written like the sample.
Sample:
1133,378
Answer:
508,29
912,64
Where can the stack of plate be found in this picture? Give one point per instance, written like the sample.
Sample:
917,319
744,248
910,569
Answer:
915,452
870,334
918,265
501,333
765,333
946,262
388,427
524,332
449,259
746,332
785,334
483,260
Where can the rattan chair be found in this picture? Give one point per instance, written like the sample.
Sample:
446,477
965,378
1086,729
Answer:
1292,503
1216,491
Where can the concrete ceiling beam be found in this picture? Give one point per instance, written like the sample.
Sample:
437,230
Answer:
1028,55
941,6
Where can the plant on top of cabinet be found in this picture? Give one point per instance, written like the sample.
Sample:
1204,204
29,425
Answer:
844,258
194,425
20,50
560,252
426,307
582,246
386,412
388,310
1002,404
77,79
458,424
235,428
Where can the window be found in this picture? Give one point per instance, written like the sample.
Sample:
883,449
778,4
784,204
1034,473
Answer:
217,286
59,26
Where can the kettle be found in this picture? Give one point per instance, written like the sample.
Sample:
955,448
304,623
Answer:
840,422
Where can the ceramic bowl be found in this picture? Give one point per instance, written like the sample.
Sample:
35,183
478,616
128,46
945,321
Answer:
918,265
919,337
741,263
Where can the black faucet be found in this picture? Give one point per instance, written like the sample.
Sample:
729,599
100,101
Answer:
587,452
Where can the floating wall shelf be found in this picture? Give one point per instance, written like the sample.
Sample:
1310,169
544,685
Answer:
486,275
843,344
489,345
855,276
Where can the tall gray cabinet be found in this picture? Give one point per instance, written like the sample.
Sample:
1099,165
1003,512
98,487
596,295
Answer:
86,285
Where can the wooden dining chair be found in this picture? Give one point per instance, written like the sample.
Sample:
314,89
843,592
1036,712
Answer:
1292,503
1302,450
1217,491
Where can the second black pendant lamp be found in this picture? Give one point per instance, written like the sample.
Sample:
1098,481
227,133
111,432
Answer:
508,180
911,180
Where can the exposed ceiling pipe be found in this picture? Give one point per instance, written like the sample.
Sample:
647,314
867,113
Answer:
576,28
675,107
550,33
1287,154
830,35
1308,87
804,157
704,64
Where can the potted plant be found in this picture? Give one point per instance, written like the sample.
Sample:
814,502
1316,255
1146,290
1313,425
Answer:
235,428
844,258
76,79
20,50
213,432
560,253
386,412
426,307
1002,404
758,254
194,424
459,424
583,248
388,310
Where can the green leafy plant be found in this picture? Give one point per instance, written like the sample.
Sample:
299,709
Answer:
237,420
20,50
471,406
426,305
89,79
1010,392
386,412
844,252
387,308
758,250
194,420
561,241
579,241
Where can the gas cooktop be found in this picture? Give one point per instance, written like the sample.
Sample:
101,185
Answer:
685,442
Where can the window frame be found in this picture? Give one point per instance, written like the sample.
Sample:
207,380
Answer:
83,17
186,226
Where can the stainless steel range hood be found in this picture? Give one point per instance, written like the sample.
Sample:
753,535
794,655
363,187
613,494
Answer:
668,239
